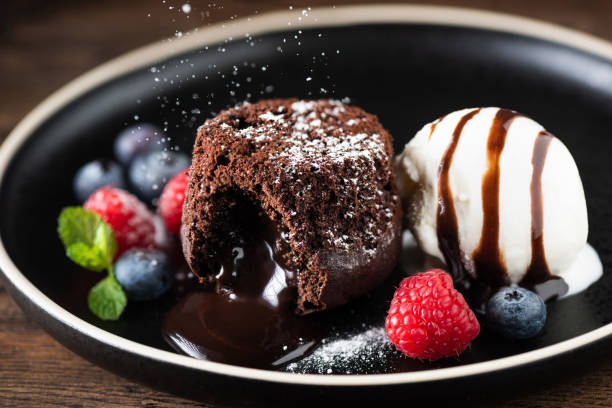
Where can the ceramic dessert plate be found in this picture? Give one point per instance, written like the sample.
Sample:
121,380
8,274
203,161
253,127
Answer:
406,64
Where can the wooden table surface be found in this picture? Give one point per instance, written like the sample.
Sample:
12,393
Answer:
44,44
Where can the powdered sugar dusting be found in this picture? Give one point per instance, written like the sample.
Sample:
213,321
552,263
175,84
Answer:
355,146
302,106
315,134
338,356
312,141
271,116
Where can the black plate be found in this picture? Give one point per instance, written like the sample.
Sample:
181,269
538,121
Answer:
408,73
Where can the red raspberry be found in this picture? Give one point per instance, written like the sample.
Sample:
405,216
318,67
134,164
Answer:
428,319
171,201
129,218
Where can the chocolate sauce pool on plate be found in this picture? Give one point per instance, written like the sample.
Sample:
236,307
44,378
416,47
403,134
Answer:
249,319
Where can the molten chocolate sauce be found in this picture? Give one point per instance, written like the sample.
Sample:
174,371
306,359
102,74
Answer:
249,319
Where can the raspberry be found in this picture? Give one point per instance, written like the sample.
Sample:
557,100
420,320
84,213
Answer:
129,218
171,201
428,319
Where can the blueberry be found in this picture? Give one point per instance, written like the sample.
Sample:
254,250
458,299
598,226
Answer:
516,313
144,274
137,139
150,171
96,174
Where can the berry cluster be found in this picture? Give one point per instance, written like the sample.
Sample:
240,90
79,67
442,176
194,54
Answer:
154,174
122,193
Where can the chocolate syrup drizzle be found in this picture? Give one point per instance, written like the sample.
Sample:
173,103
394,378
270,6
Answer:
447,228
487,257
538,272
488,260
433,127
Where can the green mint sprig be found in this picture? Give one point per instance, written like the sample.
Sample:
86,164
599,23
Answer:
90,242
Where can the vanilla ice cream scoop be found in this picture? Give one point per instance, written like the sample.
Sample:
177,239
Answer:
497,197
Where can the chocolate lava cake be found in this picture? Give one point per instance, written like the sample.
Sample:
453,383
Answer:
321,176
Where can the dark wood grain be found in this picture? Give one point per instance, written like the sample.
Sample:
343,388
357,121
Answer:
44,44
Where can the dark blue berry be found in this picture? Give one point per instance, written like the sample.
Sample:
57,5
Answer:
96,174
137,139
144,274
516,313
150,171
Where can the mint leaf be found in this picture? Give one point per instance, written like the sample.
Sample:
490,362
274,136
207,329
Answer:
90,242
107,299
105,240
88,239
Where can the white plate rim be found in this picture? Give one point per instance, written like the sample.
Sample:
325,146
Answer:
266,23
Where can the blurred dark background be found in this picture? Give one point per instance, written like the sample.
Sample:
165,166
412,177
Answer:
44,44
